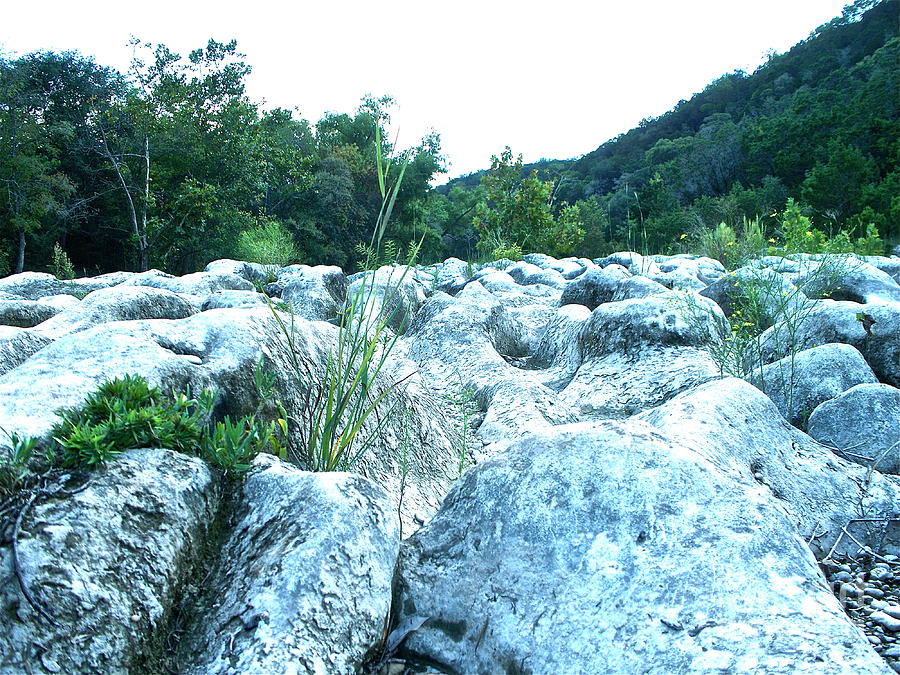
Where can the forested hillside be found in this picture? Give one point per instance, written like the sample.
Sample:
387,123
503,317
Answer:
819,123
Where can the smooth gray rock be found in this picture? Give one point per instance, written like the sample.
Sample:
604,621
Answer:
609,548
234,300
35,285
452,275
118,303
25,313
848,278
390,293
741,431
315,293
636,354
306,573
760,294
863,425
558,349
198,283
252,272
799,383
600,285
829,321
106,563
17,345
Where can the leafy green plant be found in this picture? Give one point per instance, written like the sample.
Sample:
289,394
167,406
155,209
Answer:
14,467
129,413
270,243
350,392
60,265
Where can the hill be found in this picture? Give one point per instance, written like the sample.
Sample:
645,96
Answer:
819,123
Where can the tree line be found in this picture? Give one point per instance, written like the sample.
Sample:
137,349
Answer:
170,165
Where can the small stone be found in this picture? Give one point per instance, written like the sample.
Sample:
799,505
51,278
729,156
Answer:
886,621
874,639
892,610
893,652
874,592
843,576
879,604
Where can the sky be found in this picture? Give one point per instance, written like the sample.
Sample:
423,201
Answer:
552,79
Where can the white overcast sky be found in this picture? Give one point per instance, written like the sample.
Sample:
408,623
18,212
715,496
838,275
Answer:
551,79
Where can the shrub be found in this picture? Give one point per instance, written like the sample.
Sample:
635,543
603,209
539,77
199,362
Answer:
267,244
60,265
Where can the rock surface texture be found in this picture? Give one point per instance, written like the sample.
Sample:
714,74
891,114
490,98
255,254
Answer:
561,477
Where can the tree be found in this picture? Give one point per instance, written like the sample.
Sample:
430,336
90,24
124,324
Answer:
34,191
517,211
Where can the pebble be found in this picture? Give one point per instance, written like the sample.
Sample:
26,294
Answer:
869,591
886,621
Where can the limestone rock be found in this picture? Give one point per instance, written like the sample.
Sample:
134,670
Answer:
25,313
799,383
306,573
597,548
106,563
17,345
863,425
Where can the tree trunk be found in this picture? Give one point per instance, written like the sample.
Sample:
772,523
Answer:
143,240
20,257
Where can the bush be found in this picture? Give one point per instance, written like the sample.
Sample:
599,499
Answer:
60,265
267,244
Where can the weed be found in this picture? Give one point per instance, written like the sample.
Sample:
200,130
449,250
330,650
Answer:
350,392
14,467
129,413
60,265
761,300
464,403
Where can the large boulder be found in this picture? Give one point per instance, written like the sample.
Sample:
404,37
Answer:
253,272
234,300
25,313
609,548
198,283
106,564
763,295
862,425
17,345
118,303
847,278
740,430
600,285
799,383
637,353
218,349
315,293
874,329
452,275
35,285
305,572
389,293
